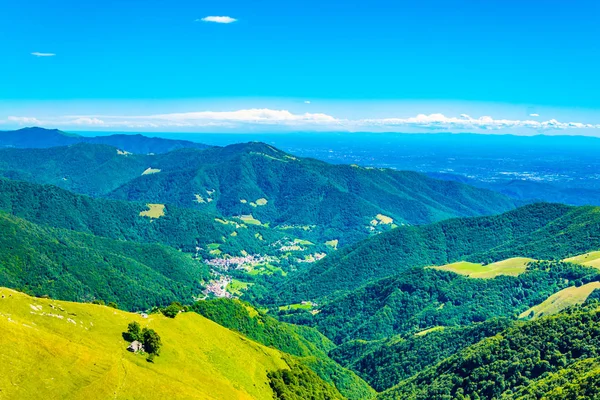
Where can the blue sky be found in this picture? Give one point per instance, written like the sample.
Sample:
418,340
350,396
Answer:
317,65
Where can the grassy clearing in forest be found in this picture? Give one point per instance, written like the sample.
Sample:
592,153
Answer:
237,287
154,211
332,243
299,306
426,331
561,300
150,171
591,259
249,219
511,266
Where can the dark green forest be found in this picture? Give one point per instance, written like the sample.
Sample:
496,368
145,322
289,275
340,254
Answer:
393,360
75,266
182,228
528,360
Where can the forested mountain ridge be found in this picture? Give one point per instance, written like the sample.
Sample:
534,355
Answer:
35,137
422,298
184,229
75,266
333,202
529,231
390,361
553,357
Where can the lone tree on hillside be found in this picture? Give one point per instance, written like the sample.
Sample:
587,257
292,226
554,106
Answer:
134,332
172,310
152,343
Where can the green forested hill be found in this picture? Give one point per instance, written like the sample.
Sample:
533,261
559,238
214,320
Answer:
81,267
420,298
84,168
553,357
339,201
540,231
390,361
331,202
306,343
182,228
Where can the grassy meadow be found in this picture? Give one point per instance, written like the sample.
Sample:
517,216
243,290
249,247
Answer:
56,350
511,266
559,301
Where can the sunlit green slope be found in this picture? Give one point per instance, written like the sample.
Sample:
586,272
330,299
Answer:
60,350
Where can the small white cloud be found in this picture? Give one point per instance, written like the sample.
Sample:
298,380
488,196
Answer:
534,115
218,20
87,121
307,102
38,54
25,120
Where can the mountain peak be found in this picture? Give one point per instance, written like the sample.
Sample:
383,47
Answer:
256,147
36,130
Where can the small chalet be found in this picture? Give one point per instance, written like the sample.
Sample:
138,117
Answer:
136,346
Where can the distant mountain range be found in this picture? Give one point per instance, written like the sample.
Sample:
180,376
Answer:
528,191
43,138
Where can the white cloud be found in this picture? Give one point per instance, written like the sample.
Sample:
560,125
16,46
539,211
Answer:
38,54
218,20
307,102
254,115
466,122
25,120
271,119
534,115
87,121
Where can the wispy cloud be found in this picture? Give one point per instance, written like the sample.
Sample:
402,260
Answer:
25,120
286,120
38,54
217,19
466,122
534,115
307,102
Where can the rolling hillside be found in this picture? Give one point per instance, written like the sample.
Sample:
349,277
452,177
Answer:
421,298
319,200
306,343
53,349
529,231
185,229
43,138
551,358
